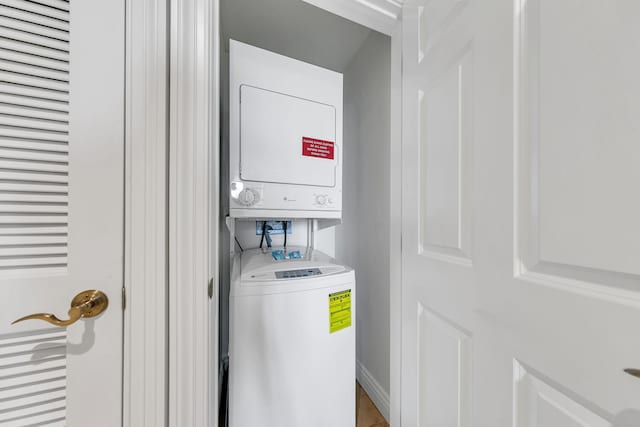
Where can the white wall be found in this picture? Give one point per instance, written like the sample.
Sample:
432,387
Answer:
362,241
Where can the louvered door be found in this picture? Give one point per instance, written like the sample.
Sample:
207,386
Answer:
61,208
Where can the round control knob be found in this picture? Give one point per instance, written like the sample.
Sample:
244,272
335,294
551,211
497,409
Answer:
321,199
248,197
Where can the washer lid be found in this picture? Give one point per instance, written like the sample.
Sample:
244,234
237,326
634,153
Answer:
258,267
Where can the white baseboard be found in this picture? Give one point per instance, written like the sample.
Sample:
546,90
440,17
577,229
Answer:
376,392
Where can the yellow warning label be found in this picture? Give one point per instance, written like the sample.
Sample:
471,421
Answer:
339,311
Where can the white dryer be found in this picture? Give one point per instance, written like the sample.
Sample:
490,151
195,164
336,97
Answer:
285,136
291,342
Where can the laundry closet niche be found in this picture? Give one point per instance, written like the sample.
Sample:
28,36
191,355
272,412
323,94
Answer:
361,239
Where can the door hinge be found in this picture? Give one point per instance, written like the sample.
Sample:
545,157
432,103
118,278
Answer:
124,298
210,288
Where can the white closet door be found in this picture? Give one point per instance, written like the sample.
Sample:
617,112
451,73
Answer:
61,209
521,215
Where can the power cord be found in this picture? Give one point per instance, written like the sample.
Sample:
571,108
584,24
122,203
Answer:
284,228
264,230
239,245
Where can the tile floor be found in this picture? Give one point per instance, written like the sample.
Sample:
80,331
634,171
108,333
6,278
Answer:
367,415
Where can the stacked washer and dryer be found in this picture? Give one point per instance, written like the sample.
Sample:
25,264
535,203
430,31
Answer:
292,310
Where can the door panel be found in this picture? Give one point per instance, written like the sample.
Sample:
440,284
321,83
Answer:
437,212
61,208
538,404
520,230
578,115
444,355
445,158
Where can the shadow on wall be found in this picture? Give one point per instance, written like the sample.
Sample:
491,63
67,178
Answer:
627,418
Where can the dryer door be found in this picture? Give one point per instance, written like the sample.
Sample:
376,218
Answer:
285,139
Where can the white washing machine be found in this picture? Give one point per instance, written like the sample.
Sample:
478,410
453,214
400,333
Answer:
291,341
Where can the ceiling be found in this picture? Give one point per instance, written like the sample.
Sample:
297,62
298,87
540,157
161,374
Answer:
293,28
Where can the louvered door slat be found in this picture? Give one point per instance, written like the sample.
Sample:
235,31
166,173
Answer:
33,255
42,169
11,344
22,366
33,28
32,240
34,81
33,207
33,149
35,219
33,134
34,261
39,9
34,50
37,155
32,123
50,419
33,197
34,39
18,374
20,413
33,251
16,175
35,387
30,70
34,18
29,102
34,145
32,399
33,187
58,4
52,240
42,229
25,194
35,93
21,354
36,61
36,376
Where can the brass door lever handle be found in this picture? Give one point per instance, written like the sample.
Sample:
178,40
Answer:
86,304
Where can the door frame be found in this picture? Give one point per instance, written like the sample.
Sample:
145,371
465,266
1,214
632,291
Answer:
194,165
194,128
171,167
395,225
144,297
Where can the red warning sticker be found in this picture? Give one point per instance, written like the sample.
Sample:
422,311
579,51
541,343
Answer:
317,148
